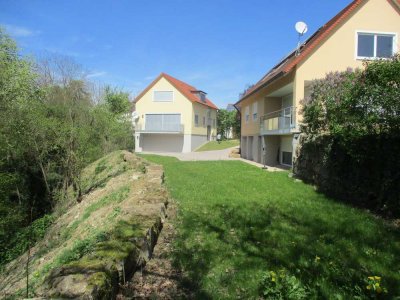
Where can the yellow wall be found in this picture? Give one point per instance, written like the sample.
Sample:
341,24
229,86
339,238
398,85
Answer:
338,52
180,105
252,127
202,111
265,105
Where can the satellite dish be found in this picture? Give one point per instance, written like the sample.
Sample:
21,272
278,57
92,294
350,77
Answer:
301,27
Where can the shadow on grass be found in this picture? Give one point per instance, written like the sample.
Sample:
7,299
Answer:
330,255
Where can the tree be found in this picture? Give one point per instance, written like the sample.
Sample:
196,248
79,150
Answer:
227,121
117,101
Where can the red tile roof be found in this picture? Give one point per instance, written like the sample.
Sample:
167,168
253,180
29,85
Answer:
292,60
186,89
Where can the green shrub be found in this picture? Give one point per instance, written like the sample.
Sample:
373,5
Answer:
350,142
31,234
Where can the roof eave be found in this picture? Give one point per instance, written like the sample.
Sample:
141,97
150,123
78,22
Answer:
277,75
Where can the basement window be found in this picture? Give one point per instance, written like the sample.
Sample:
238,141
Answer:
375,45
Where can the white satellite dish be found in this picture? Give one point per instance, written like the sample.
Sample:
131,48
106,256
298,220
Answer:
301,27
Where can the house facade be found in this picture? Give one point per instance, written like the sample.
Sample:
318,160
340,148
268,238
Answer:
173,116
270,110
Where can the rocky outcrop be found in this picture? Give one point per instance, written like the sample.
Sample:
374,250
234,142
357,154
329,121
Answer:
99,274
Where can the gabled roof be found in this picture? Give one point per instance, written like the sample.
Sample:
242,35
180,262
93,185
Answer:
287,64
187,90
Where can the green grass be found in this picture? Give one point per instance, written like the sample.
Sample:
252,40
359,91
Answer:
214,145
237,223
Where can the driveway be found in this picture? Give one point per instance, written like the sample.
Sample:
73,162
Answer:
204,155
215,155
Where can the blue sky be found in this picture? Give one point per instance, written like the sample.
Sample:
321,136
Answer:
219,46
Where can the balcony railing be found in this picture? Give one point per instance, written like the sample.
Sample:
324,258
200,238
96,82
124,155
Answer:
160,128
278,122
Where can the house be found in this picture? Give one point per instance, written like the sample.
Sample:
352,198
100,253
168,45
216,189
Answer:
364,30
173,116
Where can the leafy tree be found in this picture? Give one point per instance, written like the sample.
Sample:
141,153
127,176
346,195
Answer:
50,129
117,101
228,121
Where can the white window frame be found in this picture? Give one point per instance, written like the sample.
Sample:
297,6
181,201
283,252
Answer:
164,101
375,34
247,114
255,112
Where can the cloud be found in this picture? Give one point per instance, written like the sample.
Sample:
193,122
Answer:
18,31
96,74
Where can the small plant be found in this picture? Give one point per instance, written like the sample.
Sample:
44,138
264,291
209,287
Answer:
281,285
374,286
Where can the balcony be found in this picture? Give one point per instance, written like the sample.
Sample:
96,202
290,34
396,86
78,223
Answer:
160,128
278,122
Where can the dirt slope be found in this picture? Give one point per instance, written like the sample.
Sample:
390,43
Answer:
96,242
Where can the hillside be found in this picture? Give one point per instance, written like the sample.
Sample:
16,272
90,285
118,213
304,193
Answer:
96,243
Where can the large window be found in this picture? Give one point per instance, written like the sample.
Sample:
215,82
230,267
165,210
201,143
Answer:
163,96
375,45
163,122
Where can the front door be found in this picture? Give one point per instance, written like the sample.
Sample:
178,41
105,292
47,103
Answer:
209,133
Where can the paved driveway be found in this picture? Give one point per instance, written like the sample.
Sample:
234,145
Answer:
204,155
215,155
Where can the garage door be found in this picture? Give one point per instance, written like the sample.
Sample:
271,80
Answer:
162,142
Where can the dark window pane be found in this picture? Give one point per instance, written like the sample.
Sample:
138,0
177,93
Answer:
365,45
385,46
287,158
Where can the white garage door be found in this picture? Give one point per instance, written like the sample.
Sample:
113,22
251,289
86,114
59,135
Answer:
162,142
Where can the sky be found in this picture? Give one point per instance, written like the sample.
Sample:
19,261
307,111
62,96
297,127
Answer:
218,46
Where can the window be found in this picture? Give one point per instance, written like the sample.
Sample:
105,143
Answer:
204,121
255,106
163,96
247,114
163,122
286,158
196,120
375,45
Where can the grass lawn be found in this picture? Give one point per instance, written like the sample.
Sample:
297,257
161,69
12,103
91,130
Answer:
214,145
242,230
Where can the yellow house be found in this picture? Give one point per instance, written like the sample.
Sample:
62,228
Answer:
173,116
364,30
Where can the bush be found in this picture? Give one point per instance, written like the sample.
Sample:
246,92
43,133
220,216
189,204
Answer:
350,141
21,239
